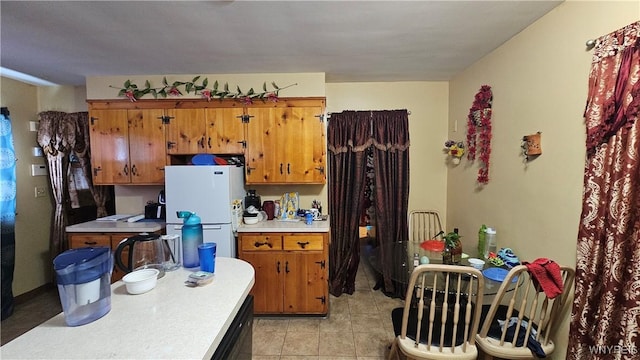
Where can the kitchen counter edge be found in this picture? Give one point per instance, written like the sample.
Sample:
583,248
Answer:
285,226
169,322
116,226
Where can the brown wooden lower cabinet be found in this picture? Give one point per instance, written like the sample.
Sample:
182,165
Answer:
78,240
291,271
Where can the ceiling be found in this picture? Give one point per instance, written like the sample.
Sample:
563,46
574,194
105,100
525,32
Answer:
350,41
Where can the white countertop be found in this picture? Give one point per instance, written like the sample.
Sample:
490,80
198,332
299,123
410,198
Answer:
172,321
286,226
116,226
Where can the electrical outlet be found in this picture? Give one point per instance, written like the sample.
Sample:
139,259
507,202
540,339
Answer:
34,125
40,192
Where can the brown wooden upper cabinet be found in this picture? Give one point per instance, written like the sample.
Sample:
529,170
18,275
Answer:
205,131
282,142
127,146
286,143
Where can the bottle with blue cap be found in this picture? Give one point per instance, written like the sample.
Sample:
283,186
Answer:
191,237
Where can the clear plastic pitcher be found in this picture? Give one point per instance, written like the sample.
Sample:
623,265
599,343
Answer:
84,283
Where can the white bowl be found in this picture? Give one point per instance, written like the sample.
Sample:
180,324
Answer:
476,263
141,281
250,220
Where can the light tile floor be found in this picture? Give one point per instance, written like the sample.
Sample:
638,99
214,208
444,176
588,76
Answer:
358,327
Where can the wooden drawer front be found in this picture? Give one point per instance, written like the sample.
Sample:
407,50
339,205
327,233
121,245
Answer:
261,242
78,241
304,242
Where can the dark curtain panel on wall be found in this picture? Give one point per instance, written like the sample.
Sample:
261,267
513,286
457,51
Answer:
391,168
61,134
605,322
7,211
348,137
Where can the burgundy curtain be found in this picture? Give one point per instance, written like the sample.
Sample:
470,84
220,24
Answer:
348,137
56,136
605,321
350,134
82,150
391,168
59,135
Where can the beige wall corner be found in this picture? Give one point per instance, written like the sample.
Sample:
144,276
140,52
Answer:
539,81
33,219
62,98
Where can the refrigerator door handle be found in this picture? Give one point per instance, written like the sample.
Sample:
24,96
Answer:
211,227
204,227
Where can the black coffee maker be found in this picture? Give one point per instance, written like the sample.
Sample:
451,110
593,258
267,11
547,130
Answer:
155,210
252,199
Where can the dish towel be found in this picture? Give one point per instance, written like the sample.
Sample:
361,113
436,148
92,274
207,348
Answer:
547,274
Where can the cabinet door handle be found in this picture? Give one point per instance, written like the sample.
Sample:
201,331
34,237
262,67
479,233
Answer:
258,244
286,267
288,168
278,267
170,144
209,142
126,169
134,170
96,169
321,263
91,243
303,244
281,169
323,299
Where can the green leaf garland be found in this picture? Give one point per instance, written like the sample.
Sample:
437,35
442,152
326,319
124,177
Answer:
132,92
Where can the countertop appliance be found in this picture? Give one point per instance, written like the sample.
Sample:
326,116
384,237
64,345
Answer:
210,192
143,251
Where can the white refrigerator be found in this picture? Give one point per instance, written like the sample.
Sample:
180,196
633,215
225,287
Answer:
209,191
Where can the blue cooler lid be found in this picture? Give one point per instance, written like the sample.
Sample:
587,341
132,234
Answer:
82,265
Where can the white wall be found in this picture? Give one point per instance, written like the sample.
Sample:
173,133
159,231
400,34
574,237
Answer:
539,80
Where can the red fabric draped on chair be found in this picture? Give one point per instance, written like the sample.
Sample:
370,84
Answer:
604,321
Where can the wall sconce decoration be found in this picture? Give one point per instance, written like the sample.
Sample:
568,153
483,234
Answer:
455,150
531,146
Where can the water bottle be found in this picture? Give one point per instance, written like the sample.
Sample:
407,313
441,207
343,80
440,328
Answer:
490,242
191,238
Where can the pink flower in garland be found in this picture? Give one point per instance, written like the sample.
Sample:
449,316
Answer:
173,91
206,94
479,119
246,100
130,95
272,97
